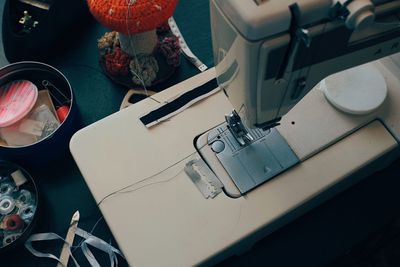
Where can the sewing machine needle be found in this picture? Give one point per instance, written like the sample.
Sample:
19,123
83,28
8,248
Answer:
69,239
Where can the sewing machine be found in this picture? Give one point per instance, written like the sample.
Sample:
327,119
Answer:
268,57
197,188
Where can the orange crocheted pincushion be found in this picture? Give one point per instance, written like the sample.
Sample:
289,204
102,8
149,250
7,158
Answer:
132,16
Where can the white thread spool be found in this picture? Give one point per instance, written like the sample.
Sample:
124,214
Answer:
7,205
6,188
24,197
26,213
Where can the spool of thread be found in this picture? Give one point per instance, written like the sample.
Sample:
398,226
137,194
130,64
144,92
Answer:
7,205
13,223
24,197
62,113
27,213
6,188
10,238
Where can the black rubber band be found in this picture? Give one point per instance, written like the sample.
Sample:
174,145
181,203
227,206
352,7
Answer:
179,102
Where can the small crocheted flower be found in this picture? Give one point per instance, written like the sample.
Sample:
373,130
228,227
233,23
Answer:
117,62
144,69
107,42
171,49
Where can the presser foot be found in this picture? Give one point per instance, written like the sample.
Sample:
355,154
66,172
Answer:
241,168
237,129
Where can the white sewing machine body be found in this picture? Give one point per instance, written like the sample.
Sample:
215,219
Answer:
163,219
268,59
268,56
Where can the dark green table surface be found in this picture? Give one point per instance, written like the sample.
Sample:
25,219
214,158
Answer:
315,239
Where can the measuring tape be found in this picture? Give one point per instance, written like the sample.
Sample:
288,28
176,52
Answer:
184,47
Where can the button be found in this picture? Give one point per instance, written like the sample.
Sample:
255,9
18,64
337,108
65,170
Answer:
218,146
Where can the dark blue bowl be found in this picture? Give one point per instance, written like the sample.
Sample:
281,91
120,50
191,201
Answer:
54,146
7,168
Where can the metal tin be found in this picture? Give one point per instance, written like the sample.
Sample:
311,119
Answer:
19,237
56,144
42,40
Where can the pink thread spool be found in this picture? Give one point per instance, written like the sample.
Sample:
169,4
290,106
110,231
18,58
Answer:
13,223
17,98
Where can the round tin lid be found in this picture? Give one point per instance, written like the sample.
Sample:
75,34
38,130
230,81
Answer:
17,98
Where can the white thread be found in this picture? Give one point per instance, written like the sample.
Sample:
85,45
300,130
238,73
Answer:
88,239
127,189
128,15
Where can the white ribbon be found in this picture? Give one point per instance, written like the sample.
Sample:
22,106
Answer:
42,237
89,239
99,244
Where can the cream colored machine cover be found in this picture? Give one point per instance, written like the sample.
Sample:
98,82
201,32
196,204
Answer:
159,217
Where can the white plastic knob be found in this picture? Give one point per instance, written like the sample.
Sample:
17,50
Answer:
361,14
359,90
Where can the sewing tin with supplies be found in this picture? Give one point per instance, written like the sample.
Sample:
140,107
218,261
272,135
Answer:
55,105
18,206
